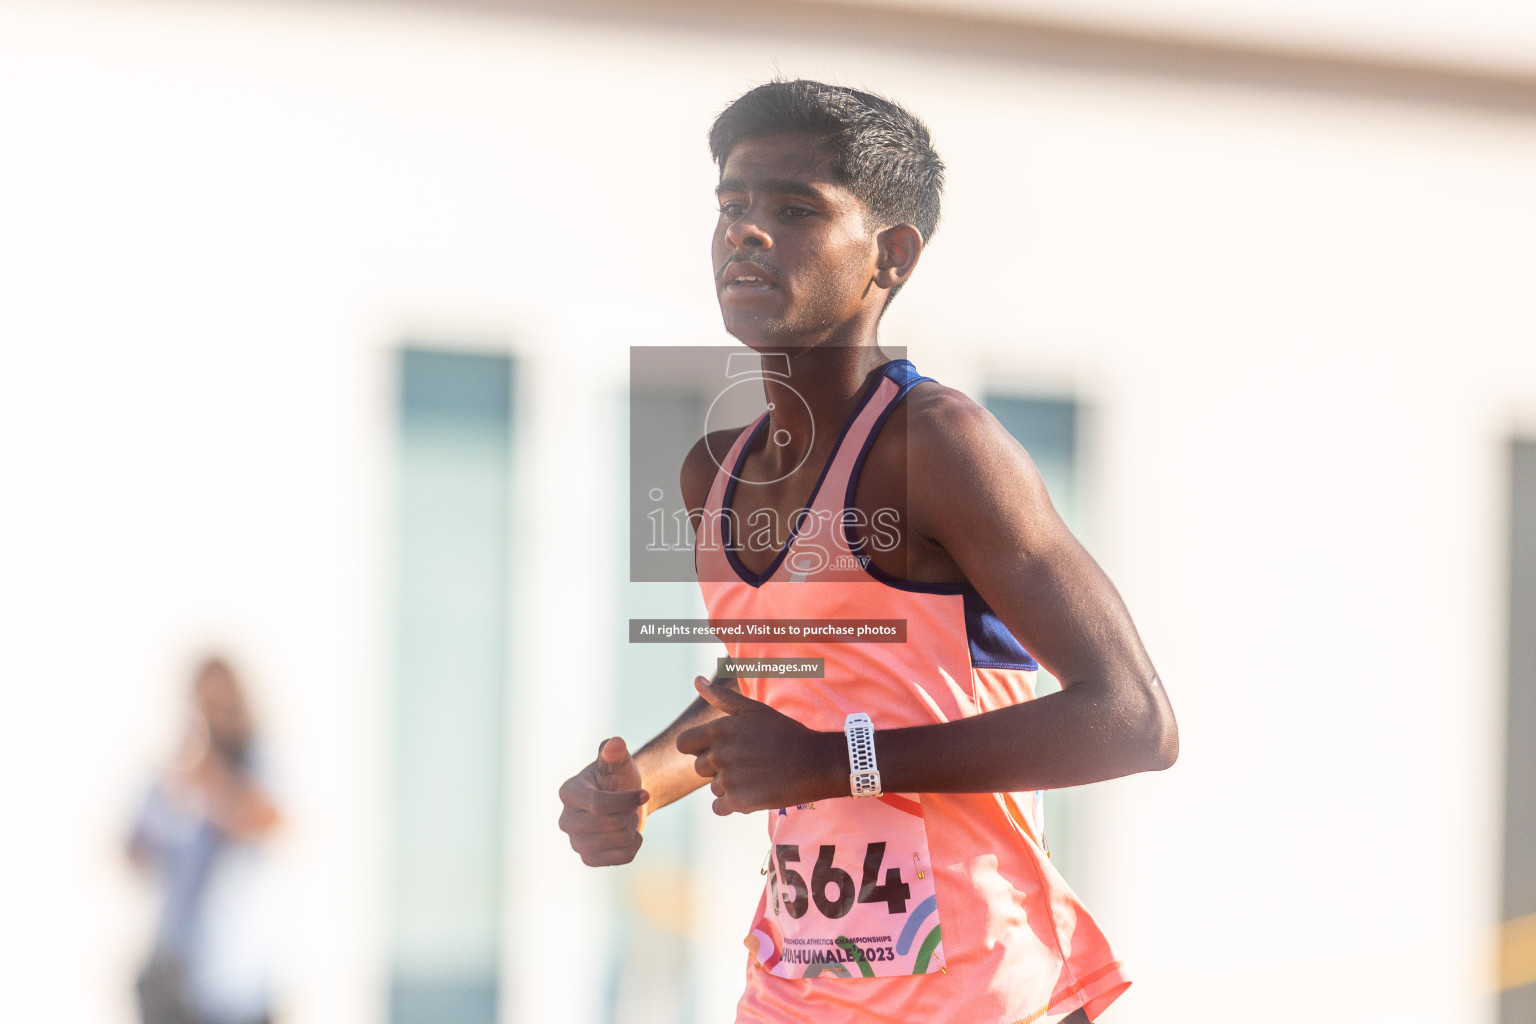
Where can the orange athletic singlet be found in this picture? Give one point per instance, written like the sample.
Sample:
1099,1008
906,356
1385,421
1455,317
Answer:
909,907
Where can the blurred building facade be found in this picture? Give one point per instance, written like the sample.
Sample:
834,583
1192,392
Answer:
1279,297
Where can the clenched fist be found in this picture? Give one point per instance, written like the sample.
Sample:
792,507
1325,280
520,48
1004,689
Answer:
757,758
602,807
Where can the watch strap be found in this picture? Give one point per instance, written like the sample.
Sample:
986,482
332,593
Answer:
863,773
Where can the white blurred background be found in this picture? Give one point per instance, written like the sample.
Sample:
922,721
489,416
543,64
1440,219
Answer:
1273,260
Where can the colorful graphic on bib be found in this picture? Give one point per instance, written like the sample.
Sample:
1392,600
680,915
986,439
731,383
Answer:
764,941
925,952
924,910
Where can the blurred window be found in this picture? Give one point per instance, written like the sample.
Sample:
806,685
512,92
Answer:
1047,428
650,968
448,745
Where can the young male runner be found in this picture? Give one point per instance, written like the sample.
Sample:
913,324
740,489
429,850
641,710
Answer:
918,891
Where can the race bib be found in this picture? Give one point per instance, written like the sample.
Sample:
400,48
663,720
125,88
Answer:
850,892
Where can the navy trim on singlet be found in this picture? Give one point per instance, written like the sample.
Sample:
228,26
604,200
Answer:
758,579
991,643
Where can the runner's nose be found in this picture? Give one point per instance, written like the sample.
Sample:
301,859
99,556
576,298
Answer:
745,233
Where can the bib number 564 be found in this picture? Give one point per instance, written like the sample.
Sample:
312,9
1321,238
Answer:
826,875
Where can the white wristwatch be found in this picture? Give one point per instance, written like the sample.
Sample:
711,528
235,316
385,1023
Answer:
863,776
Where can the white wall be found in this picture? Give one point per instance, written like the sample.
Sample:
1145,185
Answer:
1297,320
1493,34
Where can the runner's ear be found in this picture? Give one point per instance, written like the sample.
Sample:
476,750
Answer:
900,247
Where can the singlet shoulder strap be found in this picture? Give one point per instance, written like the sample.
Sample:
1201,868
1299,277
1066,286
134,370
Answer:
726,465
898,378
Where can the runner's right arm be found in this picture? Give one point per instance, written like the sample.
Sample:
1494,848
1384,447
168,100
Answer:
607,802
666,774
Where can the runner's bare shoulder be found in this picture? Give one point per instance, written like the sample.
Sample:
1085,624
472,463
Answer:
963,450
932,424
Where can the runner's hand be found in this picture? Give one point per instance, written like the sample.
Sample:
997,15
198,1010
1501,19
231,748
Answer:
757,758
603,807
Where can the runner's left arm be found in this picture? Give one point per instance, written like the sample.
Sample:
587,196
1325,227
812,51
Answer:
980,498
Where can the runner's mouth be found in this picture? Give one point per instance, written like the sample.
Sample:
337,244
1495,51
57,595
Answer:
748,285
745,275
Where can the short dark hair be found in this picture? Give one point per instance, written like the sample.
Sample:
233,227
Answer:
880,152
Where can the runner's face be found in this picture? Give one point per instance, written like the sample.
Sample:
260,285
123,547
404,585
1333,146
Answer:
794,253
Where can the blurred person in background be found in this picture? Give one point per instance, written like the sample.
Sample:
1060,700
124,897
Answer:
200,831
